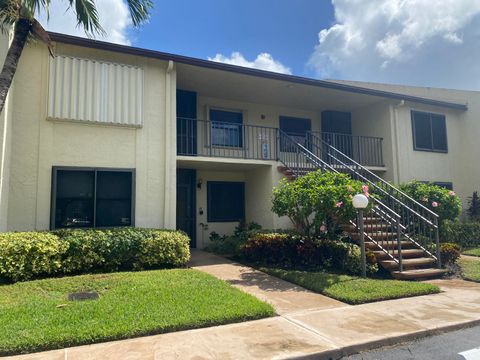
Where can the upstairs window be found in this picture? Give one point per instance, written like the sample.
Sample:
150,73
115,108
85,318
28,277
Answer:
95,91
429,132
296,128
226,128
88,197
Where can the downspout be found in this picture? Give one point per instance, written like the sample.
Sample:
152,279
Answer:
396,174
169,171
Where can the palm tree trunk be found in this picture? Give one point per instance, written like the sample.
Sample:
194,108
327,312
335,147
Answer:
22,29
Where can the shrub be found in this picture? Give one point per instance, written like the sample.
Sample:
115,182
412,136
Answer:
26,255
445,203
316,201
287,250
474,206
449,253
30,255
465,234
230,245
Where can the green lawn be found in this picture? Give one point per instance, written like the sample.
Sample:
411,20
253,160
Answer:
36,315
352,289
470,268
472,252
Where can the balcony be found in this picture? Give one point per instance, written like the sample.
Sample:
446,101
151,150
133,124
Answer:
229,140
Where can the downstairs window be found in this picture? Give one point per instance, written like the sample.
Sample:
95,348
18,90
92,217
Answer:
90,197
225,201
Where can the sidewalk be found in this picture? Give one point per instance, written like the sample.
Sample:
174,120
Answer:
308,325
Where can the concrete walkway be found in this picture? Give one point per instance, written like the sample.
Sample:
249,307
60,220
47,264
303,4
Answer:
308,325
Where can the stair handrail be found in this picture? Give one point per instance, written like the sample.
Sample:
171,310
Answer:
377,178
403,207
379,208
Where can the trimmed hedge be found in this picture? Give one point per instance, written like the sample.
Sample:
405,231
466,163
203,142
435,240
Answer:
465,234
295,251
29,255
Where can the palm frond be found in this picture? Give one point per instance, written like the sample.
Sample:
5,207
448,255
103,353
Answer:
87,16
139,10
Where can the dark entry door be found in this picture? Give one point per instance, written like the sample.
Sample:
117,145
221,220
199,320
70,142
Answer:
337,130
186,204
186,122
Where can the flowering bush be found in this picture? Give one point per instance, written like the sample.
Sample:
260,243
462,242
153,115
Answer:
441,201
300,252
449,253
317,201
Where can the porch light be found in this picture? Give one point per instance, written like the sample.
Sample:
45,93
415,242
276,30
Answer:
360,201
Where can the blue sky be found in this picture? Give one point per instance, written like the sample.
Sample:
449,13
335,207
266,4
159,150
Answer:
406,42
286,29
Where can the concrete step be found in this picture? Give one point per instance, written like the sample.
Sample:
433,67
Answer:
408,263
406,254
417,274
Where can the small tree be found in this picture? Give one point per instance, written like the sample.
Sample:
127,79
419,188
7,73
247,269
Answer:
474,206
317,202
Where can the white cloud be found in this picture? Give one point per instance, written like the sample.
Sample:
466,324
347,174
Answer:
264,61
421,42
114,18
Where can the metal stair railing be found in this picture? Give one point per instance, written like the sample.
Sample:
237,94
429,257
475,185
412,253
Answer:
418,223
301,160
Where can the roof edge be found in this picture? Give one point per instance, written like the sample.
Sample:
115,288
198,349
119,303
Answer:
103,45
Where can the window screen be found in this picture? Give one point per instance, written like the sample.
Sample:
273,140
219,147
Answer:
226,128
92,198
429,132
226,201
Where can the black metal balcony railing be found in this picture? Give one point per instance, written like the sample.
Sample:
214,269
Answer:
222,139
366,150
231,140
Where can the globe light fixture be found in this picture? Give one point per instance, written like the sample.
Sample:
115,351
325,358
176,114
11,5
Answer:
360,201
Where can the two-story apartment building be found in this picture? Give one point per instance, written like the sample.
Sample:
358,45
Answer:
108,135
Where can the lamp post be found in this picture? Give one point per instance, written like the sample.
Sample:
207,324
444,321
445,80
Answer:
360,202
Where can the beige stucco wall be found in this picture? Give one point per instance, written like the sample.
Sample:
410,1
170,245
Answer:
5,143
460,165
259,182
39,143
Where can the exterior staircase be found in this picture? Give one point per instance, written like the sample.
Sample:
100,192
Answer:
401,232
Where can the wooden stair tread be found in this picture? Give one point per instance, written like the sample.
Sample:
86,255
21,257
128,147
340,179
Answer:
414,274
390,244
407,263
406,253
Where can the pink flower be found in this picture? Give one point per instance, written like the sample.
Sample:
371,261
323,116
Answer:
339,204
323,228
434,204
349,188
365,188
451,193
367,194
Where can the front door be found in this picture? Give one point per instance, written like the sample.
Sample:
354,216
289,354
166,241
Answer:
186,122
186,203
296,128
337,130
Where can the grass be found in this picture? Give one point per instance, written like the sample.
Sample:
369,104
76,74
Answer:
36,315
352,289
472,252
470,269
